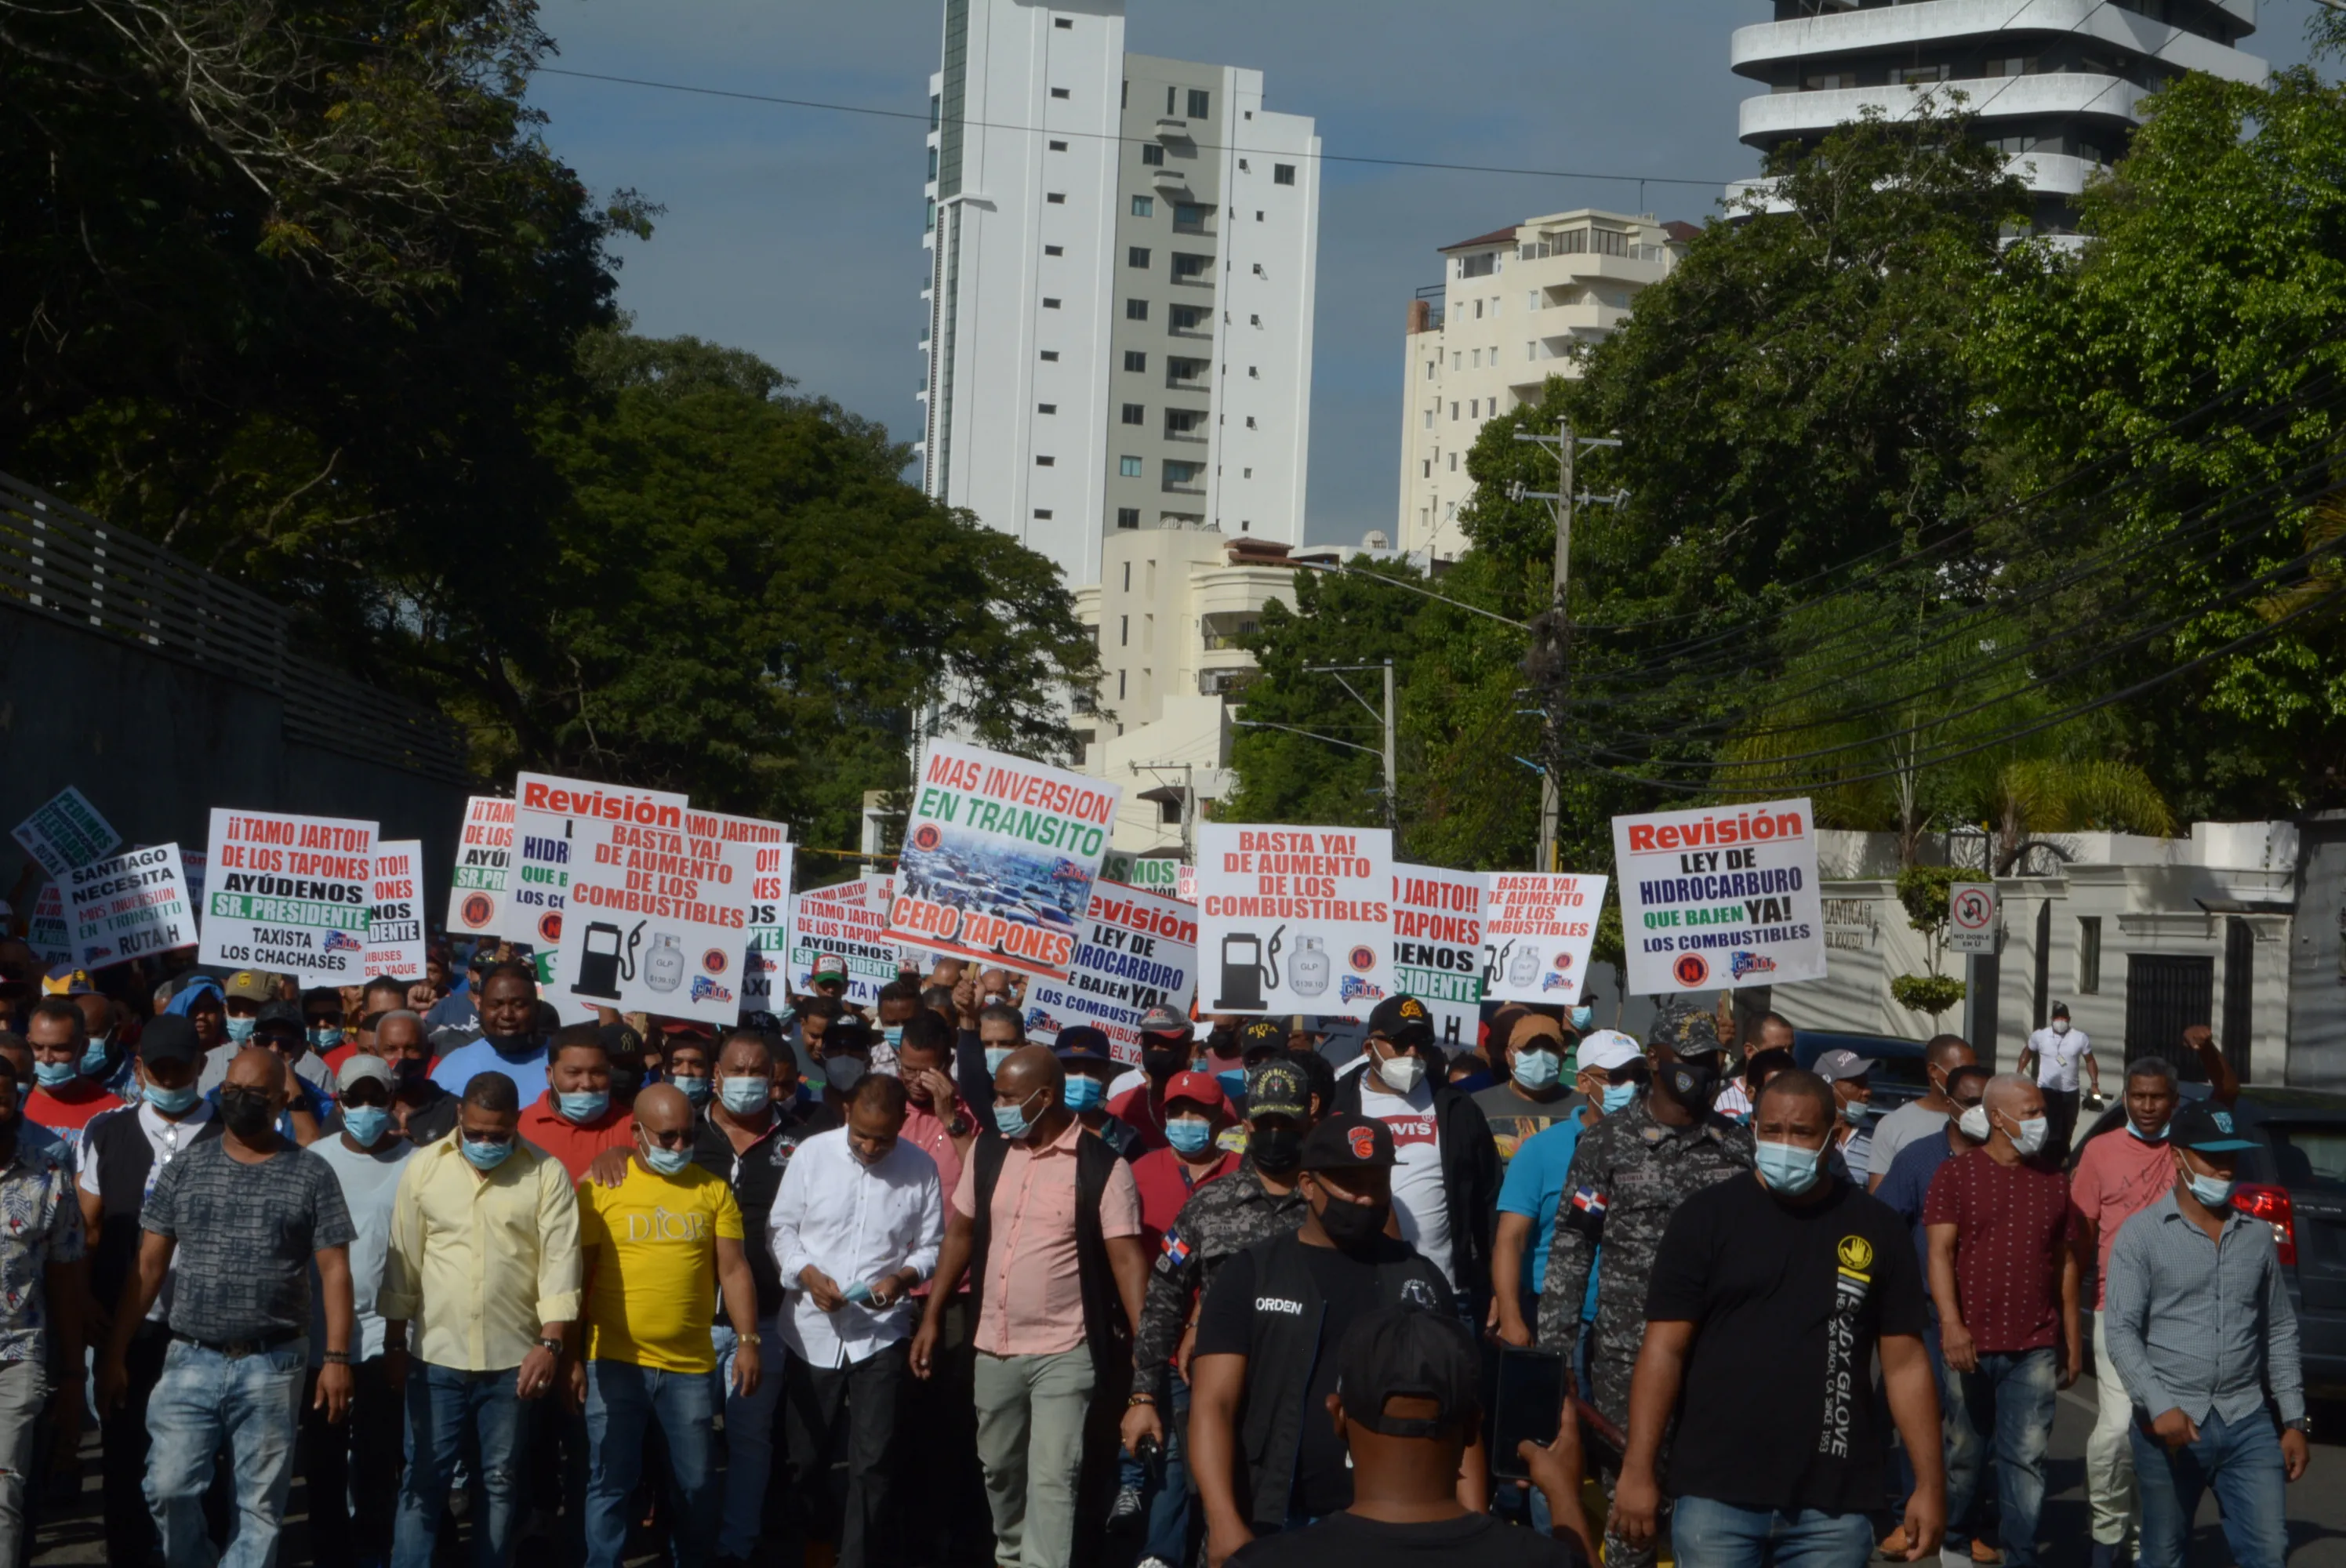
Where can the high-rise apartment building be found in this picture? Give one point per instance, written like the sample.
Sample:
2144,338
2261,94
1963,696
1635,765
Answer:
1516,307
2059,85
1119,293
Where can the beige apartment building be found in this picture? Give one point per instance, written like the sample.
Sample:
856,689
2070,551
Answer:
1514,306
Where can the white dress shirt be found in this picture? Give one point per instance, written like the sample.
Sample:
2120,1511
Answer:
855,1223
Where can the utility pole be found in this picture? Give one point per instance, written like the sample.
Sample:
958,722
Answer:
1189,803
1383,716
1561,502
1391,795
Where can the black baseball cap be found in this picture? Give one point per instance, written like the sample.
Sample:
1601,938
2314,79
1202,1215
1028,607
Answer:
1404,1020
1348,1144
1083,1044
2208,1127
1260,1036
1278,1088
168,1039
1409,1352
282,1014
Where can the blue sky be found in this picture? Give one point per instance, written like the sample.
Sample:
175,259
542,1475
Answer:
795,233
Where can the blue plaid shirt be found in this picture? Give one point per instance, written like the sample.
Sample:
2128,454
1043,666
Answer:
40,1223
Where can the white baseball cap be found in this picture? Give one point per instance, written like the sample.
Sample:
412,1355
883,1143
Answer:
1608,1050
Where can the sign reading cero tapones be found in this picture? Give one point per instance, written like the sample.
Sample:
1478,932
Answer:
1721,897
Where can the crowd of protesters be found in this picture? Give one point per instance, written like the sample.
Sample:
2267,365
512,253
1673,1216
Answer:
885,1284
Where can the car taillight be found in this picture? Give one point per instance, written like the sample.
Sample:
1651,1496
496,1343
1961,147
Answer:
2270,1203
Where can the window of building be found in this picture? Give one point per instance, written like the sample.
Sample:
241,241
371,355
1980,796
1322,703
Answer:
1201,105
1902,74
1474,408
2015,65
1136,413
1041,514
1247,473
1478,265
1047,463
1453,408
2090,955
933,163
1478,359
1054,250
1430,367
1531,350
1051,356
1258,215
1425,469
1829,81
1282,174
1128,517
1058,147
1057,197
1058,92
1136,310
1128,467
1478,309
1063,22
1254,320
1183,422
1119,693
929,223
936,111
1457,359
1123,632
1050,304
1187,318
1429,419
1135,361
1136,256
1454,462
1046,408
1178,473
1189,218
1152,155
1189,268
1249,426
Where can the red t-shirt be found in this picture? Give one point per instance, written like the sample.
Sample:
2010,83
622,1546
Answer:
2118,1175
334,1059
2013,1229
573,1145
1166,1184
1146,1121
70,1114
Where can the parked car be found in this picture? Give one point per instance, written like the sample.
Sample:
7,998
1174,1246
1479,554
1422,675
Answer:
2295,1181
1897,1078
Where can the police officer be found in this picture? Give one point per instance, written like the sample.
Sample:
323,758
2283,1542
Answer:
1629,1175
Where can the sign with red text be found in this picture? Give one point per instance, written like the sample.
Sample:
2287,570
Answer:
1722,896
1437,946
49,937
999,858
1537,929
848,921
1294,919
485,856
1136,950
289,893
765,854
657,918
547,811
396,914
132,905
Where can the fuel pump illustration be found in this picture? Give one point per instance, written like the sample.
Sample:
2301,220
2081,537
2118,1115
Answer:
1248,970
602,966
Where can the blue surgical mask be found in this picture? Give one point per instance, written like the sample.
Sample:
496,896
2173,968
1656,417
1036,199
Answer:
742,1096
1618,1095
995,1055
2214,1191
892,1032
172,1102
484,1157
1083,1092
694,1089
585,1105
1190,1136
366,1123
666,1161
1010,1121
1233,1083
2158,1137
1582,1017
1857,1112
1789,1168
325,1036
94,1059
1536,1069
239,1030
55,1074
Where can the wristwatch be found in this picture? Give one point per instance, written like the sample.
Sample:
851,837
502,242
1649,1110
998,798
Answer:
553,1348
959,1127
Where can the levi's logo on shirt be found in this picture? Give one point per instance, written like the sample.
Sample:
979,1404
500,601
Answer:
1410,1129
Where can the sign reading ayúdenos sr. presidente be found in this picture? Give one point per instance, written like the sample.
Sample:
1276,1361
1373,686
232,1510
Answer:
1724,896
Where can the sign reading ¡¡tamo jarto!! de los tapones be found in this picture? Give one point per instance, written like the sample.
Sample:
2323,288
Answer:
1724,896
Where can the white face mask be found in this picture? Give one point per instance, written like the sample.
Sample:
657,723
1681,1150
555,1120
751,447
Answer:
2060,1026
1972,1124
2030,1136
1402,1073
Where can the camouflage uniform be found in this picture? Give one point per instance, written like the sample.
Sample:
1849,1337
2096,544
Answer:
1628,1176
1221,1220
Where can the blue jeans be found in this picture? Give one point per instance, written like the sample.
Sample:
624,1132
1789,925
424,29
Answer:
207,1400
2241,1459
2006,1405
622,1400
458,1416
749,1436
1721,1535
1168,1510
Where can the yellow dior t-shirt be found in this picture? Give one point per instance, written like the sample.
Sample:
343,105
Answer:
650,1250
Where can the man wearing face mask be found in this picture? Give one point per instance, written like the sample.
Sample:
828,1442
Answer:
359,1457
1628,1177
1446,1183
1918,1120
1221,1054
1767,1301
2004,1277
510,1041
41,1249
2054,1055
1263,1454
1611,1069
120,1160
1907,1184
2201,1331
981,1051
1852,1140
1537,1094
420,1109
1259,1199
577,1118
845,1061
242,996
1045,1223
1084,1056
898,1001
61,1098
1165,1043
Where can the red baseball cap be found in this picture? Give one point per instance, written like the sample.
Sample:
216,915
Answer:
1198,1088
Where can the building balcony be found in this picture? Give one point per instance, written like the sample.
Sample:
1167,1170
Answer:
1169,181
1172,127
1560,321
1777,117
1883,29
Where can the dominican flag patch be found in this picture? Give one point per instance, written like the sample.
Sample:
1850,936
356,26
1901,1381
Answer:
1586,1213
1176,1251
1590,1202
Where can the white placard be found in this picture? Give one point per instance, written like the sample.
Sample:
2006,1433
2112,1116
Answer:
1137,949
1537,929
288,894
1437,943
842,920
395,912
1725,896
657,918
50,936
766,957
1971,917
65,831
131,905
1294,919
547,812
476,887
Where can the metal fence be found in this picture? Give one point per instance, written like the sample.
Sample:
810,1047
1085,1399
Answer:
57,560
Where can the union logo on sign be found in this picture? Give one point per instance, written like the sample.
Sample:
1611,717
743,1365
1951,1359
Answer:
1691,969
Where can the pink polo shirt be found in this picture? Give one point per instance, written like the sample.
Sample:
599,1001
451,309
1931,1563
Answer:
926,1133
1033,1303
2117,1177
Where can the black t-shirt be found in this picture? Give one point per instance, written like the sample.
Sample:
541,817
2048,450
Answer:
1347,1288
1347,1540
1778,1409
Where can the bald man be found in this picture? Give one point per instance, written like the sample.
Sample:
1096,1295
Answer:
1046,1224
245,1215
656,1248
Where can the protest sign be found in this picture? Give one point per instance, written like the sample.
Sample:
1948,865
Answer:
476,891
288,892
766,862
1971,917
49,937
1153,874
395,910
842,921
1294,919
66,831
196,865
1437,946
658,917
547,812
999,857
1722,896
1135,951
129,906
1537,929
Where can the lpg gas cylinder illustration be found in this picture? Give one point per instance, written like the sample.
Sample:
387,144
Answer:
1522,972
1310,970
664,965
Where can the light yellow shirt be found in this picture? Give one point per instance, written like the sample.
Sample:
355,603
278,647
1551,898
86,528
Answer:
480,1262
651,1253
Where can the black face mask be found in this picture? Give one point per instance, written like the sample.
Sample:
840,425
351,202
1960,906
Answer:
1162,1062
1277,1150
1355,1227
626,1081
1222,1042
1690,1084
842,1072
246,1113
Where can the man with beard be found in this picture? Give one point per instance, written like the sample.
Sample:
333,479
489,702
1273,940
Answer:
1628,1177
1265,1456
